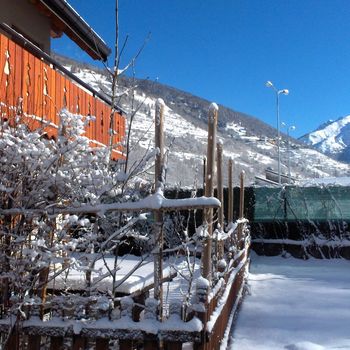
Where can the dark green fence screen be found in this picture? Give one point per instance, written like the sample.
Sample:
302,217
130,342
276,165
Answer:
302,204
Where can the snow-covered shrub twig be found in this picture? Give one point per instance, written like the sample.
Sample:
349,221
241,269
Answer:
39,173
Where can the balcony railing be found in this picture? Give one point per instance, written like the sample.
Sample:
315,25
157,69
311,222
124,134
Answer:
35,86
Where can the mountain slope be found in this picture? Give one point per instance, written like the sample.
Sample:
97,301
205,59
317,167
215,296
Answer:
249,141
332,138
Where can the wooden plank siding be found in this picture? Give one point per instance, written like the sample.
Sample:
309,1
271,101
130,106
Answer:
31,88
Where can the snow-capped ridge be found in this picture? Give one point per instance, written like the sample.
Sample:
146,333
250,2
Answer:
332,138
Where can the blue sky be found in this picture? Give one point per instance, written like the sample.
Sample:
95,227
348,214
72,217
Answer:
225,51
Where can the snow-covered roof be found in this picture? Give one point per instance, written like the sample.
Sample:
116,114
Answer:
139,272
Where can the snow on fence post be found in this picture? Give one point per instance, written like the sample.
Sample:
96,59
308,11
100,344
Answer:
220,197
241,210
126,307
151,310
202,290
175,316
201,307
230,192
158,216
209,189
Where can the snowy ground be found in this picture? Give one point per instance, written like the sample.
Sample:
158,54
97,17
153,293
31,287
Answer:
295,305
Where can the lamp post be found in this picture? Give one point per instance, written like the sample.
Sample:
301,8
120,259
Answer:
289,129
278,92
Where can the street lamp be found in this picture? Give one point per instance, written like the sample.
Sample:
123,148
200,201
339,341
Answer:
278,92
289,129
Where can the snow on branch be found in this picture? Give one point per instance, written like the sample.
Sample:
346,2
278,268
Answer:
154,201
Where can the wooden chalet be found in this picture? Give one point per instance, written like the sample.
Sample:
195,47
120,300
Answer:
35,86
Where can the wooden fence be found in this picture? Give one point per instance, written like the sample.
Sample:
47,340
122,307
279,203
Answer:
74,321
65,327
35,89
60,320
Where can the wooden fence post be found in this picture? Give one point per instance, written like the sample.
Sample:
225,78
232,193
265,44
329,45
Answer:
102,344
220,188
149,344
13,339
139,300
175,314
158,216
204,178
230,192
241,210
34,342
79,342
241,196
56,343
173,345
125,344
209,190
203,311
220,196
204,172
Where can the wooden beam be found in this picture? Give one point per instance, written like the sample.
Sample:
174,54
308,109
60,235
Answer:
158,215
230,191
209,190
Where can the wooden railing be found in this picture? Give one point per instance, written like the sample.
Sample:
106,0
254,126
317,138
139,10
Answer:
62,322
34,88
56,317
224,304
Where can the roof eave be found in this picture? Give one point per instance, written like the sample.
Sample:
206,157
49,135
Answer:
64,17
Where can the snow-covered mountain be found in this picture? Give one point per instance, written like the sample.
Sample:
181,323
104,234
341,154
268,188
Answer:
332,138
249,141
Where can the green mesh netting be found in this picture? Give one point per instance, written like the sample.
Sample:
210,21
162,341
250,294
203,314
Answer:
302,203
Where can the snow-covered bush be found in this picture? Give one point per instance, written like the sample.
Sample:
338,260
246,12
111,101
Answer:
39,175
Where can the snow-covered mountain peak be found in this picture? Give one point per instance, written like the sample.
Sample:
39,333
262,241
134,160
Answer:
332,138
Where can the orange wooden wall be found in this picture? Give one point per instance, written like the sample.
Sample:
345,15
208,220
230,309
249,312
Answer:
30,84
